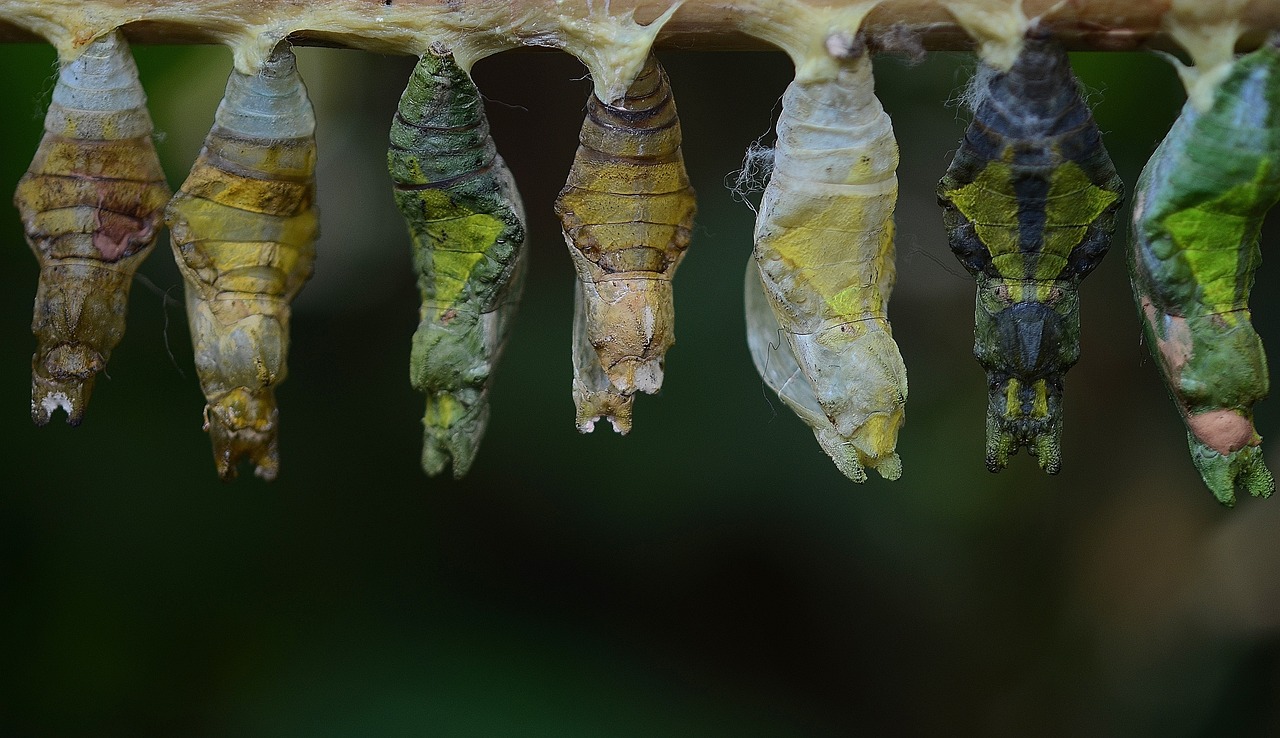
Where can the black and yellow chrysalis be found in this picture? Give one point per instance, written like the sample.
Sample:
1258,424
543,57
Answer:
627,213
1030,204
244,226
91,204
466,222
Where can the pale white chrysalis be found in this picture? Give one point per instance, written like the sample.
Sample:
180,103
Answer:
825,252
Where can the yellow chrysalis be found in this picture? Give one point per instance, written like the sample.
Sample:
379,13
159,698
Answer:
91,205
244,226
627,212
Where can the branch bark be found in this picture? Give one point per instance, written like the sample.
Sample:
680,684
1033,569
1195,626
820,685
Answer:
398,26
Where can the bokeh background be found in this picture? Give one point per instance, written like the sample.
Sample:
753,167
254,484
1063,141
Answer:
711,574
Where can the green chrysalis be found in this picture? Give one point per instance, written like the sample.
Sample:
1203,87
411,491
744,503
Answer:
466,222
1030,204
1197,214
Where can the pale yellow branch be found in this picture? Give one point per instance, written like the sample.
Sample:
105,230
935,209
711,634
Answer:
486,26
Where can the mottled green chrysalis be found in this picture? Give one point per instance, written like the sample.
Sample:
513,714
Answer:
467,227
1030,204
1197,214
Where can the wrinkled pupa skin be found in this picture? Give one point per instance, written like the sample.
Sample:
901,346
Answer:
244,226
467,226
776,363
594,396
1030,204
1198,210
627,213
825,254
91,205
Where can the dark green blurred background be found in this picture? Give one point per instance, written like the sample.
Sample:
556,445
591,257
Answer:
711,574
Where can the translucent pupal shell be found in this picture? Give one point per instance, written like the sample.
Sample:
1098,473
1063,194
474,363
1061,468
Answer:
1197,214
467,227
776,363
825,253
91,204
627,213
244,226
1030,204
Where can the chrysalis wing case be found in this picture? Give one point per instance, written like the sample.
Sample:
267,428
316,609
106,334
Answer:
1197,214
627,212
1030,205
467,225
824,251
244,226
91,205
774,360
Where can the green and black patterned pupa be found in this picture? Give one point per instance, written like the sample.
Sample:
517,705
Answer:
1030,204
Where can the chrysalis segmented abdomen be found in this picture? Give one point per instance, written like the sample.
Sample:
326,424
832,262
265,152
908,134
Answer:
91,205
466,222
627,212
244,226
824,249
1197,214
1030,205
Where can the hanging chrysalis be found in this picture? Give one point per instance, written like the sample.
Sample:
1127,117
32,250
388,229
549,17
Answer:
1197,214
91,205
467,224
1029,204
244,226
824,252
627,212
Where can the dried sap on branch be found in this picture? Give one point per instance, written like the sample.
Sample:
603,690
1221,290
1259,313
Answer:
824,252
467,225
1197,214
244,226
91,205
627,212
1030,205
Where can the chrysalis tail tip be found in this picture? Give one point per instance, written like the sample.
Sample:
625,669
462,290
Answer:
851,468
48,396
890,467
242,426
1008,433
595,406
453,425
436,455
238,446
1243,470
